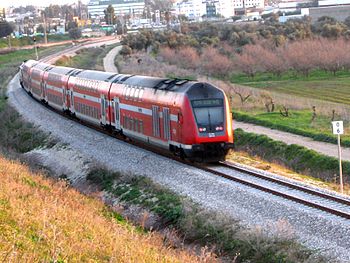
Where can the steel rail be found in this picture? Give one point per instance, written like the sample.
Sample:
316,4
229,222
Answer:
278,193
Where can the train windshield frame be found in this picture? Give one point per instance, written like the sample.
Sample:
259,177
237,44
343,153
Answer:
209,114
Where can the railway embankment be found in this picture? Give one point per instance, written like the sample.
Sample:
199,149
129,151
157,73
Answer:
264,215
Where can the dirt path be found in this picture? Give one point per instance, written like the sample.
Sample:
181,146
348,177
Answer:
289,138
108,61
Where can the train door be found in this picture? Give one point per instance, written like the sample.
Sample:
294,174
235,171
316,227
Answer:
30,84
44,90
103,109
116,108
179,125
155,121
64,97
71,96
42,86
166,124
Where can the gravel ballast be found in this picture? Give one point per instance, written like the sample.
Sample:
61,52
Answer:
255,209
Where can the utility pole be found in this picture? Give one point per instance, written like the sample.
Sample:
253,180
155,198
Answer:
36,49
45,33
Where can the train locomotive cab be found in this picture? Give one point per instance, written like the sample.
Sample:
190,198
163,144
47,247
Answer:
210,123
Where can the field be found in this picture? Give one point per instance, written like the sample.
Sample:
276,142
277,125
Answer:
319,85
87,58
329,94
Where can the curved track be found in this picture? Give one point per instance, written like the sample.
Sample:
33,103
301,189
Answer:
291,191
332,204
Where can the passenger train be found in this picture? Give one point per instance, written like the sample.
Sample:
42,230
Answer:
189,118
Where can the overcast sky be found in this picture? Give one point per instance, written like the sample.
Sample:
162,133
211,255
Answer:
16,3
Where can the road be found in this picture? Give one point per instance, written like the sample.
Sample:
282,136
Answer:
108,61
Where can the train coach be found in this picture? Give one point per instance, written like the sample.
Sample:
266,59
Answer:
189,118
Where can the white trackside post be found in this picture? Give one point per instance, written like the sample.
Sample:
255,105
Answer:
338,129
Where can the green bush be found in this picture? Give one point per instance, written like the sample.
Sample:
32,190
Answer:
295,157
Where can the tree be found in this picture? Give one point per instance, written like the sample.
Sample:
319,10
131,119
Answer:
53,11
5,29
40,29
75,33
71,25
125,51
347,21
110,17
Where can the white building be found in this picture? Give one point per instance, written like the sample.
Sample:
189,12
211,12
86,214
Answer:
195,9
121,7
242,4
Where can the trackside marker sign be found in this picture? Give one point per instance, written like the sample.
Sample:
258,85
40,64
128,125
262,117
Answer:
338,127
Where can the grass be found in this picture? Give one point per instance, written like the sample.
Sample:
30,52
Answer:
46,221
195,225
15,134
87,58
319,85
295,157
275,167
24,41
299,122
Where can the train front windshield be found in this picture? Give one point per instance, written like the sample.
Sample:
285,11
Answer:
209,114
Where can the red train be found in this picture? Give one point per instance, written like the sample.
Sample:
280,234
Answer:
189,118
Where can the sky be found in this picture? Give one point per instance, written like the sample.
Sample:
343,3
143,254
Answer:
16,3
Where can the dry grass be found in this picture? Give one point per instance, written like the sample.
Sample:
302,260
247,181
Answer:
43,220
256,162
144,64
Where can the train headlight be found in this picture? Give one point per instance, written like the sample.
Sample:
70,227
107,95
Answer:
219,128
202,129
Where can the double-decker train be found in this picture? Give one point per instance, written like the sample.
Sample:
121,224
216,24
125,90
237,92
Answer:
189,118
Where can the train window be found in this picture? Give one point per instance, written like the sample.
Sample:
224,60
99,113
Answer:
125,122
141,126
127,93
131,124
141,94
132,93
124,91
137,92
136,126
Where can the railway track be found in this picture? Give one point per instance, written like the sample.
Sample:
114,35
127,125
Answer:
304,195
288,190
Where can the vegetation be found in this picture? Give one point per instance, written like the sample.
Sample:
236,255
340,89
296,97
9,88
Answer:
27,41
86,58
298,122
46,221
74,33
5,29
265,62
295,157
16,135
196,225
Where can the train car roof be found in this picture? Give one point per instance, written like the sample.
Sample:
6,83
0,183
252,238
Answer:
42,66
96,75
175,85
61,70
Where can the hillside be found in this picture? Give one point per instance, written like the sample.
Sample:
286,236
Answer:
43,220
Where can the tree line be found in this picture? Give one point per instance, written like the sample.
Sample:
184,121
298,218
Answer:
220,49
